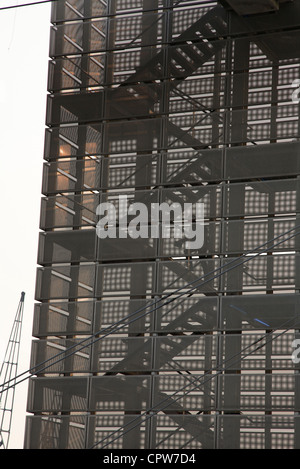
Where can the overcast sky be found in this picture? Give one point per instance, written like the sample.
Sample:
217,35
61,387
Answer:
24,46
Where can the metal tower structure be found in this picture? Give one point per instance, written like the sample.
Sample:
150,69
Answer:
8,373
170,101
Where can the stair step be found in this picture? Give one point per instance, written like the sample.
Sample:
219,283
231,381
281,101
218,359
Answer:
189,67
206,48
189,50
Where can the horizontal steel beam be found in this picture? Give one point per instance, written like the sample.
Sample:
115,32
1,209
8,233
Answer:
254,7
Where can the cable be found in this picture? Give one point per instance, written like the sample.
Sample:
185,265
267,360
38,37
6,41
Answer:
108,330
111,329
47,1
175,298
27,4
13,30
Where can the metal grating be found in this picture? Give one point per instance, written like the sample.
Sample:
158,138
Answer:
166,101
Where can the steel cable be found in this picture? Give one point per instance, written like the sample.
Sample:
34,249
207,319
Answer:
169,297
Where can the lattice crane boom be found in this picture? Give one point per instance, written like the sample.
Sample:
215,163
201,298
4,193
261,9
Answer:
8,372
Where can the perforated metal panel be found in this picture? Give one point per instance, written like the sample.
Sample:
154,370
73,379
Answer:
147,342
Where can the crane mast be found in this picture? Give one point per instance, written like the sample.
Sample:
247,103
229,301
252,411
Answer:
8,374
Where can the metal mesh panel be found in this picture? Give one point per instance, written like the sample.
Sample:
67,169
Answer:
128,316
210,196
69,73
130,136
122,201
50,351
201,395
64,211
65,176
126,279
122,392
199,275
73,37
130,171
261,126
199,432
136,433
73,140
58,394
189,243
259,392
65,109
191,166
263,161
55,247
61,282
241,236
263,273
266,354
261,432
252,312
125,354
59,432
63,317
262,198
188,315
77,9
127,249
169,103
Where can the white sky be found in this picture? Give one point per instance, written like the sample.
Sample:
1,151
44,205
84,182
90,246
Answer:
24,48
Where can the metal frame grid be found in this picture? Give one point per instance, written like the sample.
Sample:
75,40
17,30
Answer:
166,100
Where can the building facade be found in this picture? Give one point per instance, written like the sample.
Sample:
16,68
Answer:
151,342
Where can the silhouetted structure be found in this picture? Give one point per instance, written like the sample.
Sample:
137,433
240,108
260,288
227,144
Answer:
169,101
8,375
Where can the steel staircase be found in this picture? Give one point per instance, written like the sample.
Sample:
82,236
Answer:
185,56
178,60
